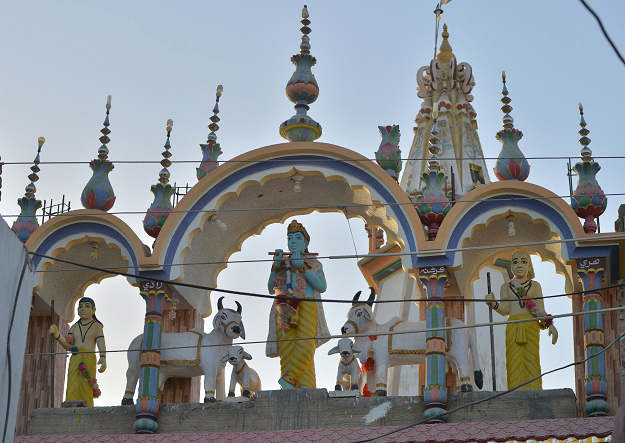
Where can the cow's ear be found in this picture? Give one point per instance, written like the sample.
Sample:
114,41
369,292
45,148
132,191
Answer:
334,350
367,314
225,358
246,356
355,350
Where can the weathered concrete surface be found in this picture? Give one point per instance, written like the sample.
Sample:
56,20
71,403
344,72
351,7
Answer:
302,409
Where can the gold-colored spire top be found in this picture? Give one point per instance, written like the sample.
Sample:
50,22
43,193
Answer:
445,54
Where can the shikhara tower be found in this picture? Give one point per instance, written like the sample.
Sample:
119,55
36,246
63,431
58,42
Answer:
445,87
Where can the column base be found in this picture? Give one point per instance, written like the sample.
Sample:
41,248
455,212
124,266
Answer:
596,408
431,412
145,425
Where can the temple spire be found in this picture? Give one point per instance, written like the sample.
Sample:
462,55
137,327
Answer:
511,163
302,89
588,201
26,223
211,150
445,53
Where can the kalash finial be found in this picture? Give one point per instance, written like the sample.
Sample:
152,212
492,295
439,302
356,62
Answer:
511,163
388,154
98,194
302,89
211,150
26,223
588,201
161,207
434,205
445,52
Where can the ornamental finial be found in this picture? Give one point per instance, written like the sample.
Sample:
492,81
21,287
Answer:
511,163
161,207
302,89
586,152
98,194
433,163
588,201
445,52
26,223
388,154
211,150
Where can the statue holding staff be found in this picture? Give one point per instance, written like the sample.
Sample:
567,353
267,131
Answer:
83,337
299,275
523,339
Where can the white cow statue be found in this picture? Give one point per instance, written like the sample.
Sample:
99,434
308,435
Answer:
191,354
378,353
246,377
349,375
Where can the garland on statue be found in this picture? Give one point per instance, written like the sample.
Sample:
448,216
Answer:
535,310
82,367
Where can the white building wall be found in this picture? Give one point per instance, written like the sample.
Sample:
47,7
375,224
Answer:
15,299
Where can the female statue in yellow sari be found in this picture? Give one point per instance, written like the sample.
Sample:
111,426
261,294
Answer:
83,337
296,276
522,339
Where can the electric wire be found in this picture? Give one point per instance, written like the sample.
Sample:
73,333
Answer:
307,208
492,397
285,298
364,334
605,32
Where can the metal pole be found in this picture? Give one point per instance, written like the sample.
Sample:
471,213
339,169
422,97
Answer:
52,340
453,187
492,335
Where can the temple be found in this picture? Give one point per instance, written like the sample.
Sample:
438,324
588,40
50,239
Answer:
442,237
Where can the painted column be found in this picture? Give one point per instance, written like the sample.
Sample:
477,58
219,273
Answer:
155,294
435,392
590,273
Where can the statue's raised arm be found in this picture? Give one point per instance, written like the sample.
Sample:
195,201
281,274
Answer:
298,277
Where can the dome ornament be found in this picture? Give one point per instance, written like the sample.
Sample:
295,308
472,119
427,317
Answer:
211,149
588,201
302,90
511,163
98,193
26,223
161,207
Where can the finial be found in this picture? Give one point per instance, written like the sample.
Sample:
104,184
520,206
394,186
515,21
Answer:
388,155
302,89
98,193
211,150
508,121
166,163
26,223
445,52
588,201
33,177
586,152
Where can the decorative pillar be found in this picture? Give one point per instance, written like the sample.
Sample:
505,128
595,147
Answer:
590,273
435,392
155,294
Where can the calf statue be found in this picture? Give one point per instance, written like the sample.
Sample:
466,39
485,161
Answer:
246,377
349,375
191,354
377,354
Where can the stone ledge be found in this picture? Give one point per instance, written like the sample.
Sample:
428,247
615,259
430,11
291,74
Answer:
302,409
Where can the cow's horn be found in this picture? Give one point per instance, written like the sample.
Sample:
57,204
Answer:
220,305
356,297
371,296
239,308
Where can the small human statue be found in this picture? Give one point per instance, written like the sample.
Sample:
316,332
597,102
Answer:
297,275
83,337
523,339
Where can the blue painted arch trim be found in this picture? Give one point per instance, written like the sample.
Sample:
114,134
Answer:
341,167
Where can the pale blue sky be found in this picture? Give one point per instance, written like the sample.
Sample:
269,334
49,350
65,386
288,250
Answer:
163,60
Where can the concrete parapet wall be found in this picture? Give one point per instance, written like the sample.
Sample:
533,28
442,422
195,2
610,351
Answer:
302,409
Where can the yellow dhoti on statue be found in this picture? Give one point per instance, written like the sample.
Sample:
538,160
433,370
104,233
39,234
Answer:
78,387
522,352
297,357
